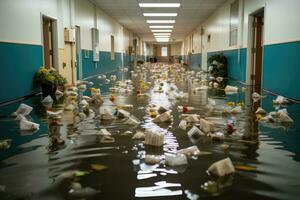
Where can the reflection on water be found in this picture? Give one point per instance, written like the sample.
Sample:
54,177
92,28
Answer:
71,159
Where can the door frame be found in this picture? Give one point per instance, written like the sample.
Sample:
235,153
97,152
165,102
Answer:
78,50
54,38
250,46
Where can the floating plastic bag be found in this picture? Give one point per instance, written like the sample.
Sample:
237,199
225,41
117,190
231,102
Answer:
47,101
231,89
191,118
154,138
190,151
175,160
113,77
222,167
82,87
138,135
23,109
207,126
164,117
26,125
194,132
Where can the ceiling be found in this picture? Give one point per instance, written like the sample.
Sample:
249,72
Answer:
191,13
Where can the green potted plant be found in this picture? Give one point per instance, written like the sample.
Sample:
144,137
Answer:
50,80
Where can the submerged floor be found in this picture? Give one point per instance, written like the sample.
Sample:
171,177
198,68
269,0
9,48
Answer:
266,158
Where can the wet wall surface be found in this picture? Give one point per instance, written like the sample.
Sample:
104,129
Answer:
266,156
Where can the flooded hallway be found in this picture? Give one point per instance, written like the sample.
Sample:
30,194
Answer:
149,99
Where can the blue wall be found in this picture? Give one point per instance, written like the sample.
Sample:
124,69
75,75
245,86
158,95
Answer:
105,64
236,69
195,61
18,64
281,69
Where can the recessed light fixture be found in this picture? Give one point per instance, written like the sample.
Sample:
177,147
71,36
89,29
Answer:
162,30
160,21
159,5
160,14
166,26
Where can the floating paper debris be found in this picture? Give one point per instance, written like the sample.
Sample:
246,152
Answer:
256,97
190,151
106,113
154,138
207,126
58,94
222,167
191,118
5,144
107,139
260,111
162,109
132,121
231,89
104,132
280,100
183,124
236,110
23,109
56,114
82,87
219,79
218,136
113,77
194,132
120,113
26,125
175,160
164,117
152,159
139,135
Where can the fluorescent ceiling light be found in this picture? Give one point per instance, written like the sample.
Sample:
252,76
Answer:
160,21
166,26
162,30
159,5
161,33
161,36
160,14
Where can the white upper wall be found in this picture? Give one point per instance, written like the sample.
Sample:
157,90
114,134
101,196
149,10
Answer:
20,21
281,25
176,49
25,24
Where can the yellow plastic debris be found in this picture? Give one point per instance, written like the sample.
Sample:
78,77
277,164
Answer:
98,167
245,168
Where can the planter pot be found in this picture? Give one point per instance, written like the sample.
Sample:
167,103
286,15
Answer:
48,90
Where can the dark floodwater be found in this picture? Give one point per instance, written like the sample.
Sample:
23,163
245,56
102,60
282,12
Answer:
34,168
